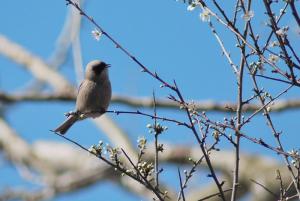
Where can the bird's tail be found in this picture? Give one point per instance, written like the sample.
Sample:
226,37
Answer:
63,128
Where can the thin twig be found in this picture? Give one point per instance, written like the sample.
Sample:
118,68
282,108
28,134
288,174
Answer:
274,132
282,191
124,171
266,104
213,195
189,174
235,70
275,28
118,45
240,105
148,184
264,187
117,112
294,12
207,159
156,145
181,186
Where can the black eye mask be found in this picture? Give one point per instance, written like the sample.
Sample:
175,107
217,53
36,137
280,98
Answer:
99,68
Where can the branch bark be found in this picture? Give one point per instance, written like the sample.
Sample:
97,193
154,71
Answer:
277,106
35,65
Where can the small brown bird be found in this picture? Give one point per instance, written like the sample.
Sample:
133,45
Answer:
93,96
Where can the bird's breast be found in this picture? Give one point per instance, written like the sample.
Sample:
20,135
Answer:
93,97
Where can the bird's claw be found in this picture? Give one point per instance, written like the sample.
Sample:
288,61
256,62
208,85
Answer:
67,114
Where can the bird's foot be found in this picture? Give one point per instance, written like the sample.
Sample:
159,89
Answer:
67,114
95,113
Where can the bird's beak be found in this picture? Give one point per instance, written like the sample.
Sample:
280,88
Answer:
107,65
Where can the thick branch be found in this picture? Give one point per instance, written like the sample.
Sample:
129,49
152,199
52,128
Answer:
278,106
34,65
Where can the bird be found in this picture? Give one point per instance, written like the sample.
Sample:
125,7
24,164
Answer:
93,97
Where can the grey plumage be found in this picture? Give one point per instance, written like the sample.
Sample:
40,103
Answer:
93,96
62,129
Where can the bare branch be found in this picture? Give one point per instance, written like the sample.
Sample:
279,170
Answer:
276,106
34,64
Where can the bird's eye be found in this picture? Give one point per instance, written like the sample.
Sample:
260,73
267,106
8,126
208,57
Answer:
99,68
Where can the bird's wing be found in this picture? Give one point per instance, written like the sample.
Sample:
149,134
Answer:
79,87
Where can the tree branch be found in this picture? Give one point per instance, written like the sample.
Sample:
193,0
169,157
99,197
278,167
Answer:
277,106
34,64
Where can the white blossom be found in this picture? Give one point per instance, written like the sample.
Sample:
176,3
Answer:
205,15
96,34
248,15
273,58
282,11
274,44
283,31
191,7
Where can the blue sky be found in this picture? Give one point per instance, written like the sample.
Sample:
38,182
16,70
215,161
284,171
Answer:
162,34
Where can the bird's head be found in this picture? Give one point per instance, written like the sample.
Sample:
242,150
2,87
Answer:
96,70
